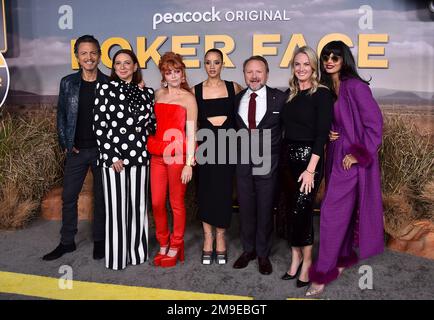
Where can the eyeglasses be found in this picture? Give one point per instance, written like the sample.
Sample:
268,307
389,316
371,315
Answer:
325,58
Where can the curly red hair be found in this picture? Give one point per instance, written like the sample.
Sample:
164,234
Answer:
173,61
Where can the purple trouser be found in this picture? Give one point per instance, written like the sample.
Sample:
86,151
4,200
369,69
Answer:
337,227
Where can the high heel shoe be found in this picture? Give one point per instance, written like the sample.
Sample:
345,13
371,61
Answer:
221,256
207,257
315,290
301,284
170,261
160,255
287,276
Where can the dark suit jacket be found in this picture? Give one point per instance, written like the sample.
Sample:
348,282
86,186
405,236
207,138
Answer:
271,120
67,107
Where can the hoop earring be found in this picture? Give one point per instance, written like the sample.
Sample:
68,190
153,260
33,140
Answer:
183,80
164,84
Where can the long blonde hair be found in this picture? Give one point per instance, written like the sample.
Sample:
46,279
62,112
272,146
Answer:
314,78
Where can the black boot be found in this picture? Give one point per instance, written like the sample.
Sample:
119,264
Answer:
99,250
59,251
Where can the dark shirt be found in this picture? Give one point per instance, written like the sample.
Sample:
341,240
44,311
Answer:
308,118
84,135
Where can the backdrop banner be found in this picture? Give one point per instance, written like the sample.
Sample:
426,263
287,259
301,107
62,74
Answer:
392,40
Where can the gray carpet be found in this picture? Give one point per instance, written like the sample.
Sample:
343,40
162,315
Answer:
395,275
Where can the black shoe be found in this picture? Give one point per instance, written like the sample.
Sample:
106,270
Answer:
301,284
221,257
59,251
99,250
207,257
287,276
244,260
265,266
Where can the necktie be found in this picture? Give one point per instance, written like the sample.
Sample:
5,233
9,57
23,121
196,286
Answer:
252,111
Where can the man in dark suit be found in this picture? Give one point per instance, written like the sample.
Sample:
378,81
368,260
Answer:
76,138
258,111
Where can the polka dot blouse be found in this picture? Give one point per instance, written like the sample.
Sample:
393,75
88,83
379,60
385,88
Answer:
123,119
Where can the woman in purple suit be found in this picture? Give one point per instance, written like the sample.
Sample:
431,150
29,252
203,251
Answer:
351,210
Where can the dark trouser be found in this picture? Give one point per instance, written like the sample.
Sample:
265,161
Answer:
255,197
300,219
76,167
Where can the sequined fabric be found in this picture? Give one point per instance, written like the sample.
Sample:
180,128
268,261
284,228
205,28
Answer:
299,152
300,219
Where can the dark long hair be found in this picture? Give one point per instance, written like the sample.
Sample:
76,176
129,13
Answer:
348,70
137,75
215,50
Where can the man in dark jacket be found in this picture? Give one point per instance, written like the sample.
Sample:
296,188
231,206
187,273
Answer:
76,138
258,110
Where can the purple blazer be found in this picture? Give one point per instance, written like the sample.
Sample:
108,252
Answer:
358,119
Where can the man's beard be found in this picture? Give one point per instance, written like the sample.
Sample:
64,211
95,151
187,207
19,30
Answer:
260,87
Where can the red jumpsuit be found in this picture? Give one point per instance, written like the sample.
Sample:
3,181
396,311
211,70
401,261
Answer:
168,157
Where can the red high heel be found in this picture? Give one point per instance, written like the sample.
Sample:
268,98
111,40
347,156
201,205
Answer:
167,261
159,256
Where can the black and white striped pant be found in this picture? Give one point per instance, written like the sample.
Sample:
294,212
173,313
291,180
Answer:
126,203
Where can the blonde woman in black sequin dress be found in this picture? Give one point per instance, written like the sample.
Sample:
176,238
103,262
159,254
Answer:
307,118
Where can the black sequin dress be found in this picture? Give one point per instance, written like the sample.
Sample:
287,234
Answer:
307,120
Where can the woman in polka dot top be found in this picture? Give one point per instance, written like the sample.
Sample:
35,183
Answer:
123,119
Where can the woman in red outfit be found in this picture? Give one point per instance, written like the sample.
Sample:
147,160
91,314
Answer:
172,150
